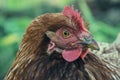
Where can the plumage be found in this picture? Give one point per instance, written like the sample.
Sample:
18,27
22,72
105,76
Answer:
36,61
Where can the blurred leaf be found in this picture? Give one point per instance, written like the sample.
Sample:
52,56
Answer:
16,5
17,25
8,40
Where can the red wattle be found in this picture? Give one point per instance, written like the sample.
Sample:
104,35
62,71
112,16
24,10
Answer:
71,55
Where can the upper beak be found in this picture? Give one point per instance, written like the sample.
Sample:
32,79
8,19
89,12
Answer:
90,43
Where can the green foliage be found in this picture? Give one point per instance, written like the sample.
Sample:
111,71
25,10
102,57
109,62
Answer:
12,30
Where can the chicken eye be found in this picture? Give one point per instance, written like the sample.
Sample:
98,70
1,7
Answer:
66,34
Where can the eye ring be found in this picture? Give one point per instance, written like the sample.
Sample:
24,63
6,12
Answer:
66,33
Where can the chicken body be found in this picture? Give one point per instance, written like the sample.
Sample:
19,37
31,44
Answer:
36,61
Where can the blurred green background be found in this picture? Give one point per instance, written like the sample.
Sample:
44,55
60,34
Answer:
103,17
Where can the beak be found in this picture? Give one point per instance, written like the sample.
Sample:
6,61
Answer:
93,45
90,43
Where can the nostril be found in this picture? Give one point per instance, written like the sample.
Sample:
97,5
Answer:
87,37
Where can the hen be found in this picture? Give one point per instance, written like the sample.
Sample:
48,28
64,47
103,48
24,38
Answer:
55,47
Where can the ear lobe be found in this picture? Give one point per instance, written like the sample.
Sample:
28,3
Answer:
52,35
51,47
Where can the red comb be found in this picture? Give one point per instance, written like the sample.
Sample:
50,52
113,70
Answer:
75,15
